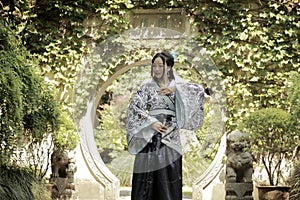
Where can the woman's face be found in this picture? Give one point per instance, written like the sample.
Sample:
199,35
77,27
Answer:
158,67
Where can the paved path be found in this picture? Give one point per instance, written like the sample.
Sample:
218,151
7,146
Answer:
128,198
125,194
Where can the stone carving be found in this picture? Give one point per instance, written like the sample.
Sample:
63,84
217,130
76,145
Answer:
239,168
62,177
59,163
239,191
174,19
239,162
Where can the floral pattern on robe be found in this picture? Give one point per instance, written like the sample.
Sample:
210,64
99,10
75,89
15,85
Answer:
186,104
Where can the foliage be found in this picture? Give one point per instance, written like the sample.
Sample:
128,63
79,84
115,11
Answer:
210,133
111,133
122,167
29,113
27,107
272,136
59,32
56,32
293,92
252,59
193,165
295,182
66,136
254,45
21,184
293,97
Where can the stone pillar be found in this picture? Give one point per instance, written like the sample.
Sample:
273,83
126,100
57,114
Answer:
239,169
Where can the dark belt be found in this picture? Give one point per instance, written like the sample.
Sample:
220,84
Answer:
164,118
156,139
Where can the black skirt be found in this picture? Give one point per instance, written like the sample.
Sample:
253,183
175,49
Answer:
157,173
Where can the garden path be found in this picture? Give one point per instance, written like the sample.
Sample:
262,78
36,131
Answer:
125,194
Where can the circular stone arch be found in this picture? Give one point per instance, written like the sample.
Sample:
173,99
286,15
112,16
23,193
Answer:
111,59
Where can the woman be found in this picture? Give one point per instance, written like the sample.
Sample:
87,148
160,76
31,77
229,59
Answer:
155,114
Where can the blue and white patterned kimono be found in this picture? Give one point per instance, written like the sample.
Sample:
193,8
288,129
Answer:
186,105
182,109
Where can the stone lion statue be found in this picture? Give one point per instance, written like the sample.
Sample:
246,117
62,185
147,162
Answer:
59,163
239,166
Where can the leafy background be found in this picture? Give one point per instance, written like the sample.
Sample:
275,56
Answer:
255,46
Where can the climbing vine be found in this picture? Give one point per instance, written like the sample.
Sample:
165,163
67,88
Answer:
255,45
30,116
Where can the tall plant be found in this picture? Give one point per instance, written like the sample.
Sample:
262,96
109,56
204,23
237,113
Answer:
295,183
272,135
22,184
30,116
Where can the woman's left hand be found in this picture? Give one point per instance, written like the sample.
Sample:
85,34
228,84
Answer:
159,127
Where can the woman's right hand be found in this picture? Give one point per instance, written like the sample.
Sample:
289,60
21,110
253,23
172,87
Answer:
166,90
159,127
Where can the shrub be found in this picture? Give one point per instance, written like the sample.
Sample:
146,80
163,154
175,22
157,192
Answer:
21,184
272,135
295,183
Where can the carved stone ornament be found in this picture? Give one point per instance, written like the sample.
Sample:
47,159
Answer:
62,177
239,168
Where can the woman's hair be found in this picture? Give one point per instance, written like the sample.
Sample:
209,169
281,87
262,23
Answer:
168,59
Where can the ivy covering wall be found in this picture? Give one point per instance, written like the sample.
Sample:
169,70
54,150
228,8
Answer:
255,46
31,117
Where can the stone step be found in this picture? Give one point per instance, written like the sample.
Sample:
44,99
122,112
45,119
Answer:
126,191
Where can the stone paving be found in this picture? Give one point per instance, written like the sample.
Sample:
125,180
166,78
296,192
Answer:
125,194
128,198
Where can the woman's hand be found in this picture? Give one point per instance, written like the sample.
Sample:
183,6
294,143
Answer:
166,90
159,127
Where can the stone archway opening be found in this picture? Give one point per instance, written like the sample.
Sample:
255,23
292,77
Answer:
112,59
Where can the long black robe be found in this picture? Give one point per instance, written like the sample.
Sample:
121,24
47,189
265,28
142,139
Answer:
157,171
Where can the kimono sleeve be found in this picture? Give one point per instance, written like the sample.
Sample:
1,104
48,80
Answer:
189,105
138,124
